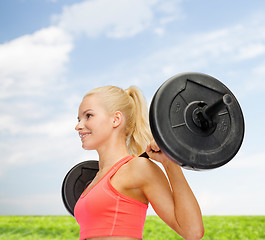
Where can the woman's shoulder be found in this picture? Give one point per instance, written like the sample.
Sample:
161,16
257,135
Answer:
144,169
142,162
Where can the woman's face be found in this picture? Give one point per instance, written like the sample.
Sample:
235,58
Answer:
95,123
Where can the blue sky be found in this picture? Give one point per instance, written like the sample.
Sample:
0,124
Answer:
52,52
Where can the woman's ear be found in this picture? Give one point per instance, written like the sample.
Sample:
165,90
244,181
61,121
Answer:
117,119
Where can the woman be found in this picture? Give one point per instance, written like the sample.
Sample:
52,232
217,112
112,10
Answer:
114,122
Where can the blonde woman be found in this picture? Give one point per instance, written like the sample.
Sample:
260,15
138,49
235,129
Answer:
114,122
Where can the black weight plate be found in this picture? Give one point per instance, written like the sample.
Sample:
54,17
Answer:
75,182
188,147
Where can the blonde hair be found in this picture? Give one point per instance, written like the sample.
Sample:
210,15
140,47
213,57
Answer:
132,104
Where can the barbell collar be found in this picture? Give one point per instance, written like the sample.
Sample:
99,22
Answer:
215,108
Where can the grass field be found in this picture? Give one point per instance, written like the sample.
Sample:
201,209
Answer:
66,228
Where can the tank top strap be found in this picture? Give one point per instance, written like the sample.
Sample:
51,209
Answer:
120,163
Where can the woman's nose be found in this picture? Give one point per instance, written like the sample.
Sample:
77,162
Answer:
79,126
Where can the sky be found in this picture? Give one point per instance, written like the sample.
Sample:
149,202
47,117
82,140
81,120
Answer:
52,52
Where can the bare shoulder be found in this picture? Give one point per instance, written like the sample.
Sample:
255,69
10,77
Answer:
138,163
144,169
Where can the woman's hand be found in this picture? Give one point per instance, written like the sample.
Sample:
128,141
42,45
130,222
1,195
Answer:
155,153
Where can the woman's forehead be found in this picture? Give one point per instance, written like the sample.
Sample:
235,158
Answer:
92,101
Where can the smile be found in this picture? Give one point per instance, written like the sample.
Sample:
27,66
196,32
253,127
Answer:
83,135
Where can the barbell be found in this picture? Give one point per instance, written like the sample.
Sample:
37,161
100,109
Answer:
195,120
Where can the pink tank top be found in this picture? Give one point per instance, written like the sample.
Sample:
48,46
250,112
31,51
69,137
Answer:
105,212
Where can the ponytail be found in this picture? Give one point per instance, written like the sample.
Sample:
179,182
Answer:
140,134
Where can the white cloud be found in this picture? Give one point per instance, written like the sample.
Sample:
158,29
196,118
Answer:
239,203
32,150
58,126
33,128
117,18
31,69
257,76
221,46
242,161
251,51
159,31
31,62
234,189
41,204
210,52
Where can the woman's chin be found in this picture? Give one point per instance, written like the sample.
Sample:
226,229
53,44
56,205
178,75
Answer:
85,147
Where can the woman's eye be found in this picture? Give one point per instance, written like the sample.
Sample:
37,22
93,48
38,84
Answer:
88,115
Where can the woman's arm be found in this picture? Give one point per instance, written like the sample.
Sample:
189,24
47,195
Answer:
175,203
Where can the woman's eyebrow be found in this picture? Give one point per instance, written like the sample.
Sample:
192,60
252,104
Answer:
84,112
87,111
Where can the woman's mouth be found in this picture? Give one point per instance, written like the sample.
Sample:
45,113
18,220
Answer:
83,135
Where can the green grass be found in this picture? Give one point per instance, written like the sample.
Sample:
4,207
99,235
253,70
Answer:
66,228
38,227
216,228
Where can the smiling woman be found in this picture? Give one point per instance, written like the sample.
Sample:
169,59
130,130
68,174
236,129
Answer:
114,122
99,104
46,62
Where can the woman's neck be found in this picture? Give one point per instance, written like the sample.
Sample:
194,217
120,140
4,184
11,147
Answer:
109,155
